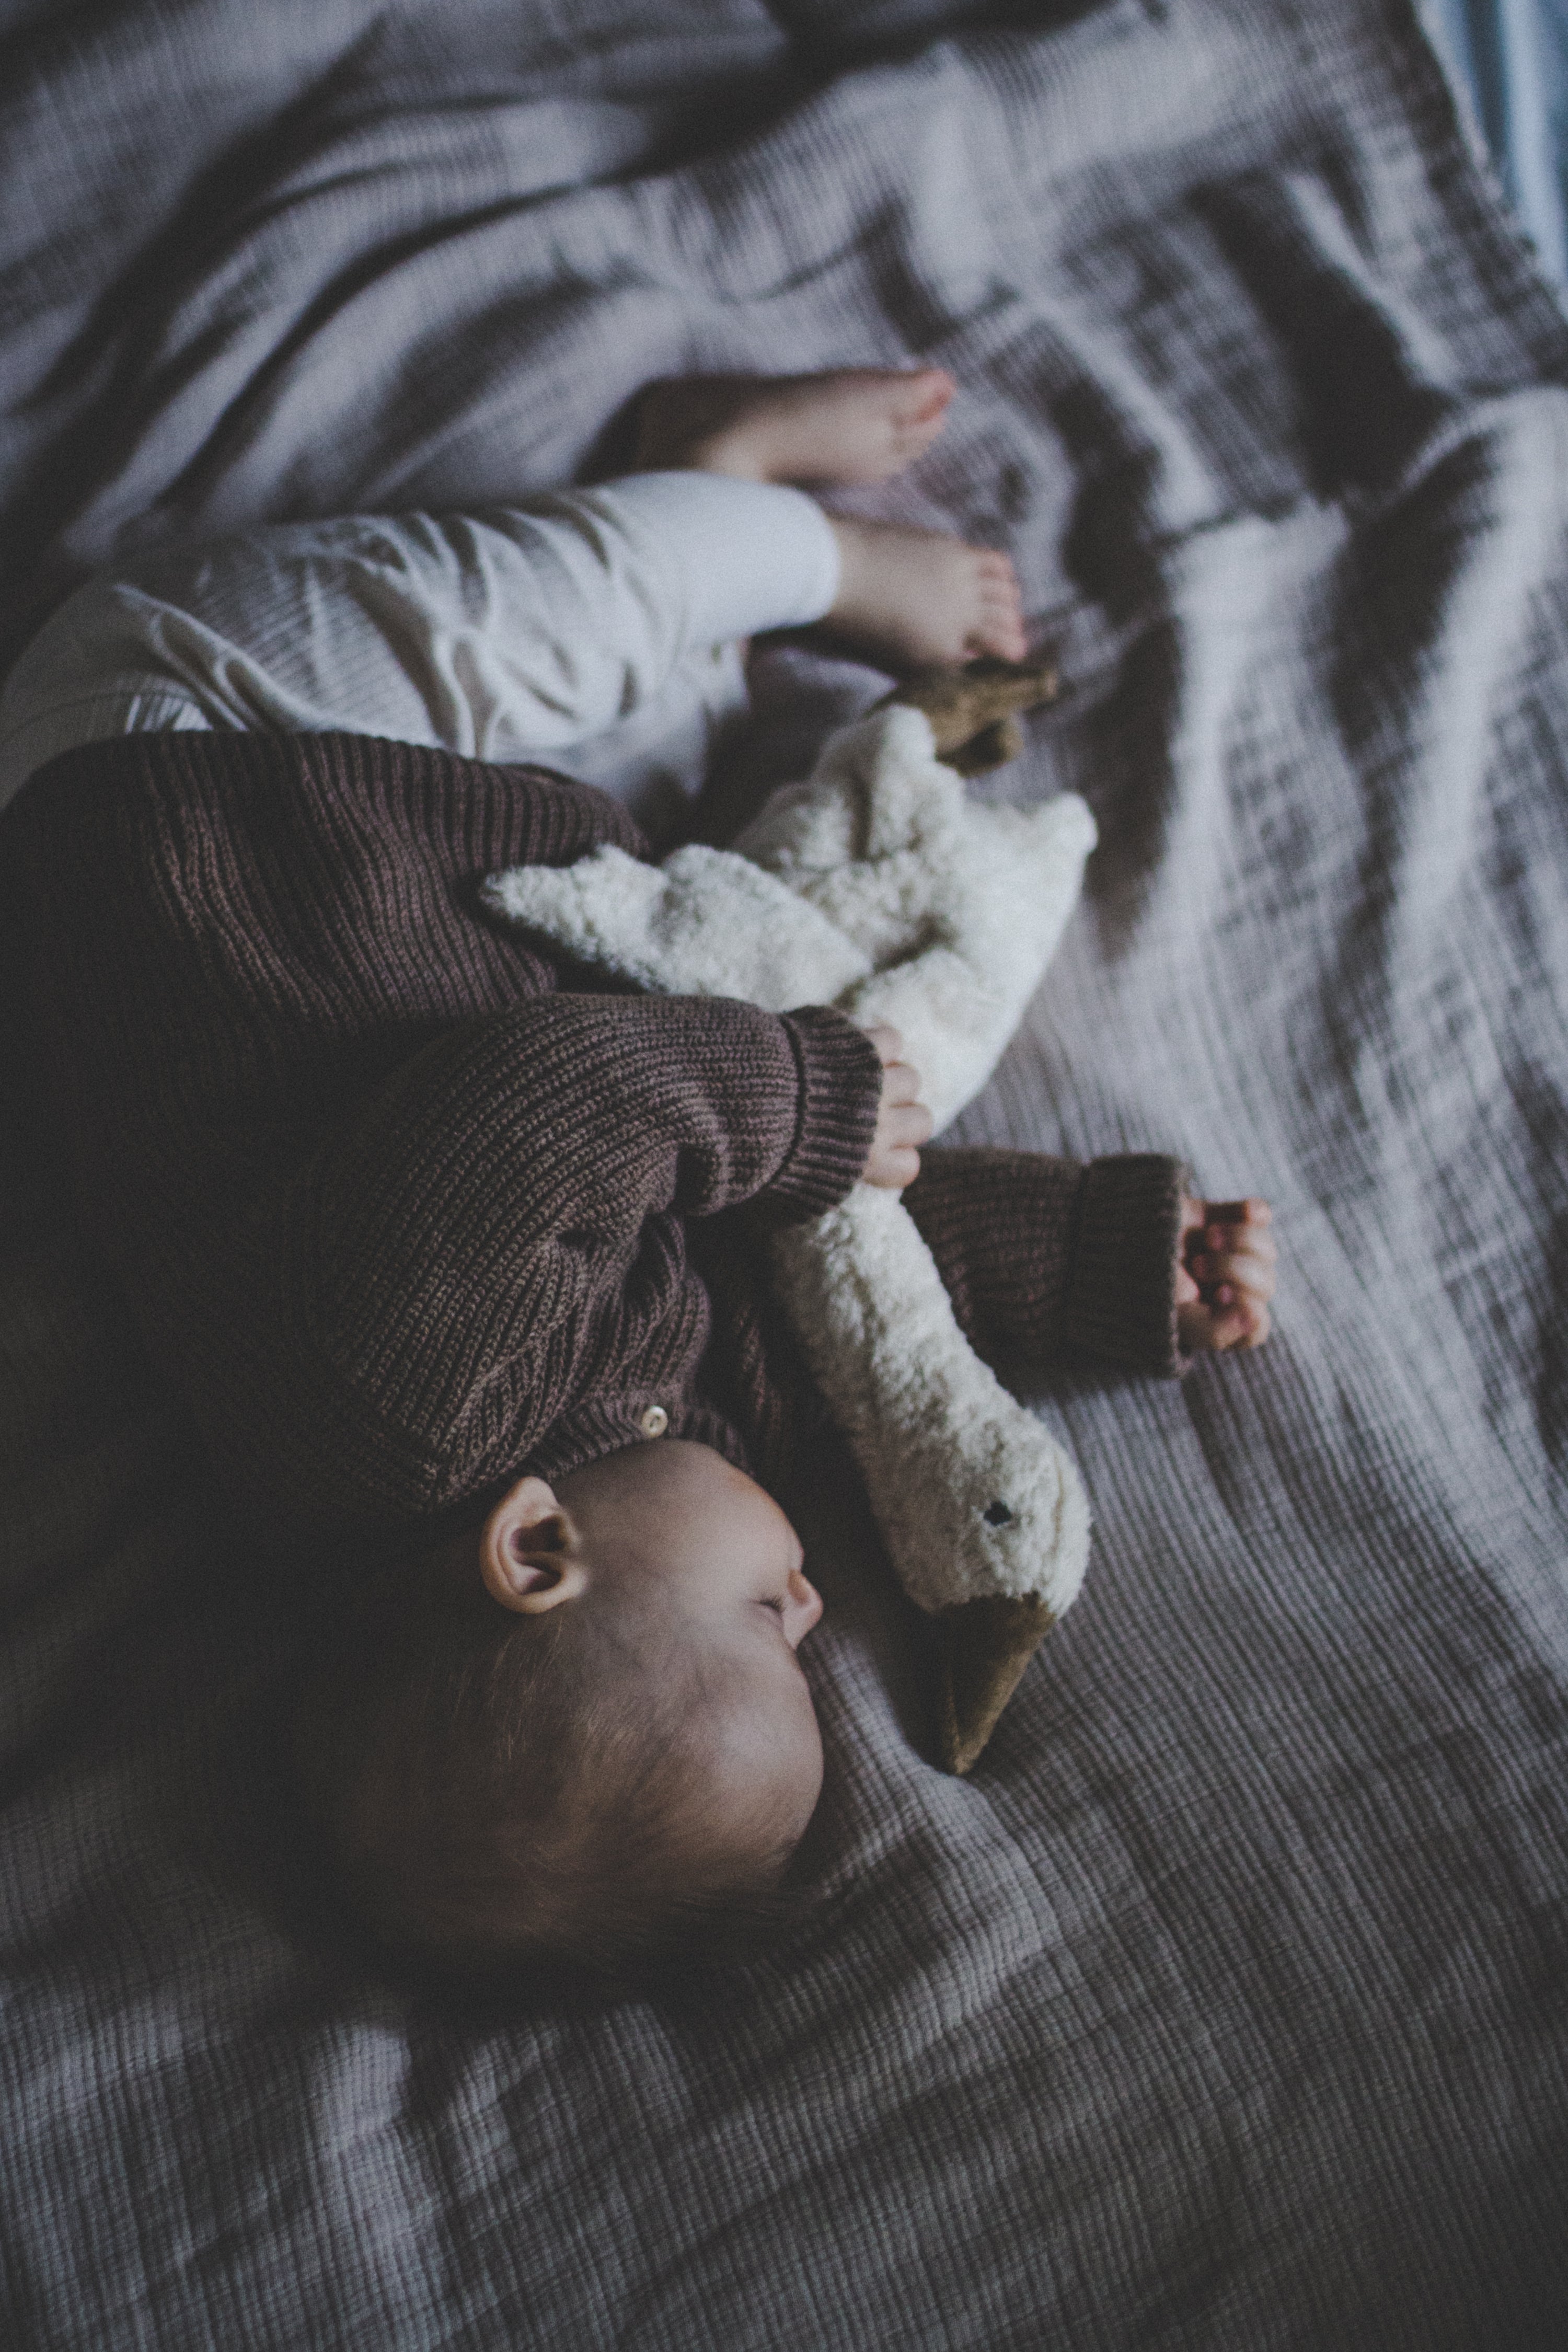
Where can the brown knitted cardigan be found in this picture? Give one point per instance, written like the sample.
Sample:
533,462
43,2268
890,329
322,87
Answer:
406,1206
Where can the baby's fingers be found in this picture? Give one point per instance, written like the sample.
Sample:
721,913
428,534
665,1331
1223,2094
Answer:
890,1046
1218,1271
1244,1324
900,1083
1203,1328
901,1128
1251,1212
1228,1259
1229,1241
904,1123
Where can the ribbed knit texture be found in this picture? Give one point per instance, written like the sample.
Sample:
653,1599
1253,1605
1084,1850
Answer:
1117,1301
402,1213
397,1212
1043,1258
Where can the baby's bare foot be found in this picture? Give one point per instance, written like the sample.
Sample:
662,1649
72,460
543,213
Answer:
849,425
909,597
1226,1277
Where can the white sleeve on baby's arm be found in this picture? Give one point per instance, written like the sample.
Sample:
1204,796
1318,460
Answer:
518,633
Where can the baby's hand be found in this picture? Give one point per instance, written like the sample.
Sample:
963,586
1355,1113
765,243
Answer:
1225,1277
903,1121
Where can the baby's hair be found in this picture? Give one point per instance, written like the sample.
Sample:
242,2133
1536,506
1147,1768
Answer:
523,1792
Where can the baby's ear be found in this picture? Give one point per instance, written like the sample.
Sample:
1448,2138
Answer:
527,1552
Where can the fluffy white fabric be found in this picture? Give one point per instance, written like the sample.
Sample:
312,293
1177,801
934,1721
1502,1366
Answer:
878,885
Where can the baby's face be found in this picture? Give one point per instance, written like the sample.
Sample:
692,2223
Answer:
698,1553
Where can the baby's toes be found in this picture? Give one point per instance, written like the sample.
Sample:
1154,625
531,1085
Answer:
998,627
997,580
1003,638
1002,608
919,399
910,435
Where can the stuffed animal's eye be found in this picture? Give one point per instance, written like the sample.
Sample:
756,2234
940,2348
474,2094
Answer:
997,1514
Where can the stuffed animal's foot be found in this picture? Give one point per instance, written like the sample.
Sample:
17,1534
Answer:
971,708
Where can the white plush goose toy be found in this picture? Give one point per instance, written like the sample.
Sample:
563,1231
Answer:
878,886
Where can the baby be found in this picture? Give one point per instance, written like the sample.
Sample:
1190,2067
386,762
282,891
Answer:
456,1254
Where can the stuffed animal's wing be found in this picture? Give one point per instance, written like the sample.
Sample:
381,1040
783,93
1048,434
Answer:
705,923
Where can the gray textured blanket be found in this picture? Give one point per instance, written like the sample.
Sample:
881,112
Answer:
1226,2006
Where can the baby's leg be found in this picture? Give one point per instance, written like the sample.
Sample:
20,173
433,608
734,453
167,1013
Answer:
506,635
534,631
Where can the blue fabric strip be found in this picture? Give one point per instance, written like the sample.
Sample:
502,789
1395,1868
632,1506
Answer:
1512,56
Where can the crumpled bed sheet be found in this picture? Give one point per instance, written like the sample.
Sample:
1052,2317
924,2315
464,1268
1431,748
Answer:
1224,2007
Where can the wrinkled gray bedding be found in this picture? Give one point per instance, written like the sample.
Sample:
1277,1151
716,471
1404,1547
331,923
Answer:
1227,2006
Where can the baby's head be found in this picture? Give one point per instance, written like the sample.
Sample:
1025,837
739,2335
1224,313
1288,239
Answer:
583,1737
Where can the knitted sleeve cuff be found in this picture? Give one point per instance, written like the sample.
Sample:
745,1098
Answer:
1120,1299
840,1094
